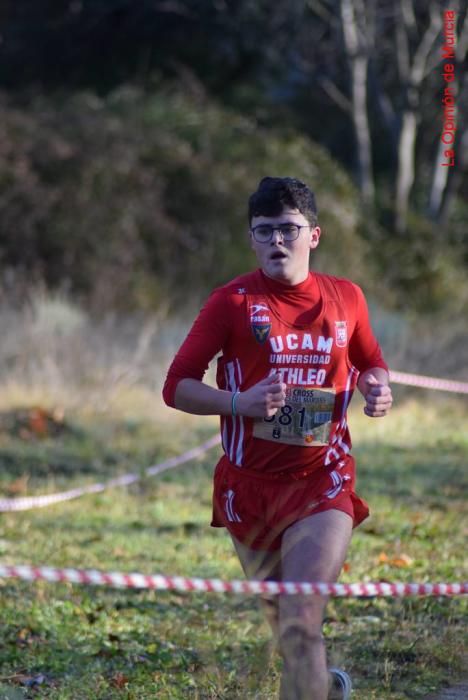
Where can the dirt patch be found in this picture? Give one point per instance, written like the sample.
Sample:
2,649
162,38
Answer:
458,692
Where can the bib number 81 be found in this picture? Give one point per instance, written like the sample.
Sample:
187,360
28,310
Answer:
286,414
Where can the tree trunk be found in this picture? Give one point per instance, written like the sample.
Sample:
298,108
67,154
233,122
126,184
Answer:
357,55
413,65
454,182
405,170
362,131
439,182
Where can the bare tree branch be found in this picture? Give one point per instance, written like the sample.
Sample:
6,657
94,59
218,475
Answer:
384,105
402,44
323,12
338,97
426,46
409,17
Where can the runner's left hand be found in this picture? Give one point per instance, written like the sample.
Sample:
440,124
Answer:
378,398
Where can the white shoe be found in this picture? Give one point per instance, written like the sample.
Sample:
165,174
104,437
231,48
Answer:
341,685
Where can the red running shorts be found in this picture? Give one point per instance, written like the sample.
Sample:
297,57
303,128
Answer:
256,509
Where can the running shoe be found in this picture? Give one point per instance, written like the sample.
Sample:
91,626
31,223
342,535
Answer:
341,685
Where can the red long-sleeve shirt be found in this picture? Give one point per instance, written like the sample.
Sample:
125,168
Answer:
316,335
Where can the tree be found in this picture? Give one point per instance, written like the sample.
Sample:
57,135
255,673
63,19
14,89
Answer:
358,36
392,48
414,59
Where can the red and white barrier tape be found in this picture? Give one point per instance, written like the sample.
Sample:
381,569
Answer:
13,504
179,583
429,382
27,503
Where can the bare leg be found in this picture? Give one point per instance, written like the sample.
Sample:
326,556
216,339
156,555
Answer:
313,549
261,565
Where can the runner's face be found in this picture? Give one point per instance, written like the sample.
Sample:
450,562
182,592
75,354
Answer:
286,261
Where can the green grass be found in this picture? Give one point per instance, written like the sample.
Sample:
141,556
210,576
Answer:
60,641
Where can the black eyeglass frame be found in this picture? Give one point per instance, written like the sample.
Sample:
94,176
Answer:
279,227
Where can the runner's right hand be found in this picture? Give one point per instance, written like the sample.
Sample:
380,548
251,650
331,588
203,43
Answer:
263,399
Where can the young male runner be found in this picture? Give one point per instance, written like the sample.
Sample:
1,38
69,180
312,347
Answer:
294,346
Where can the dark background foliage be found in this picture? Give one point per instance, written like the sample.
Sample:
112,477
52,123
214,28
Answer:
132,134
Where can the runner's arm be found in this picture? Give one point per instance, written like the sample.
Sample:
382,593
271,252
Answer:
364,350
366,355
184,388
262,400
193,396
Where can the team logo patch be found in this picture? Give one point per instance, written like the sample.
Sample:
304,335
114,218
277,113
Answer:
341,334
260,322
261,332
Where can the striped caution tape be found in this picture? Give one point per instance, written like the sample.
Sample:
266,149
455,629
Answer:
179,583
26,503
429,382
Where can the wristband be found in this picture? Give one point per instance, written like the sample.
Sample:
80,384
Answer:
233,402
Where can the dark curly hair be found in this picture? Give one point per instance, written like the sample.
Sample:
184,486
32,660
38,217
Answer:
277,193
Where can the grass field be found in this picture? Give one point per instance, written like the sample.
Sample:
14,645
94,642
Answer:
60,641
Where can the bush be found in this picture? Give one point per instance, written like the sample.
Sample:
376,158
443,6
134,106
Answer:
135,199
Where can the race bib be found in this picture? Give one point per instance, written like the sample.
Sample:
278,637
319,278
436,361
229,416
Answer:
305,419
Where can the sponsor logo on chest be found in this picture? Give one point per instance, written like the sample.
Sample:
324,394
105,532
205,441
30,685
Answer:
260,321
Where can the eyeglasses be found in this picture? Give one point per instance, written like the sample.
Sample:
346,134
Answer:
263,233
